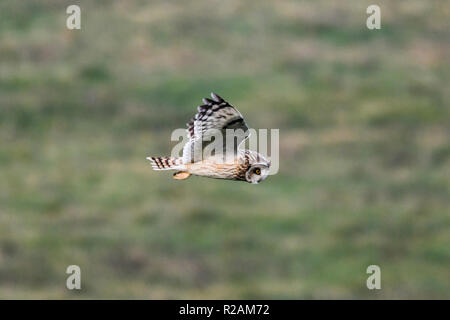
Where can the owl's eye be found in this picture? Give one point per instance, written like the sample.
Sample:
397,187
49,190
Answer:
258,171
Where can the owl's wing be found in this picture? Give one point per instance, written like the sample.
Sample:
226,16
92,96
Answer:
215,114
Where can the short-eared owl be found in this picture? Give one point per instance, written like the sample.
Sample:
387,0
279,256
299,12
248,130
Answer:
216,115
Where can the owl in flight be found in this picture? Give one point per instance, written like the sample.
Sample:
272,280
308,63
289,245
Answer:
216,115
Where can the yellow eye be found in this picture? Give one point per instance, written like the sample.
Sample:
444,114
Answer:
258,171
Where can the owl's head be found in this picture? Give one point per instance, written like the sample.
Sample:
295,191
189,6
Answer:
258,171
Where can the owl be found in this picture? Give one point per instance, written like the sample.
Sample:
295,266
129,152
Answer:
214,115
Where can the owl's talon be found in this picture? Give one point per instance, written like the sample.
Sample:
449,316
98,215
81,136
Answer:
181,175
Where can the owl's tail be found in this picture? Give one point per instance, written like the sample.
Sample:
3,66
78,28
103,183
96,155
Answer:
166,163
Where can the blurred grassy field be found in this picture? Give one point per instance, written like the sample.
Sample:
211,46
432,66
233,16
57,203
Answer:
364,121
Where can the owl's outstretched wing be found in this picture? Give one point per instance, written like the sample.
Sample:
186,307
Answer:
214,114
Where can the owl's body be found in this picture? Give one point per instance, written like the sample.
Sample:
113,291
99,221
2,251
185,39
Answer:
213,169
235,164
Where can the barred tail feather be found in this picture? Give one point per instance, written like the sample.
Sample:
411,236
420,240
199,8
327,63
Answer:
166,163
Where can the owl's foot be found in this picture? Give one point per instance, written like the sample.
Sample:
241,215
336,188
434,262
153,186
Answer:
181,175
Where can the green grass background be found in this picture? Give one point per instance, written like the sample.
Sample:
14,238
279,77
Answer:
364,121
